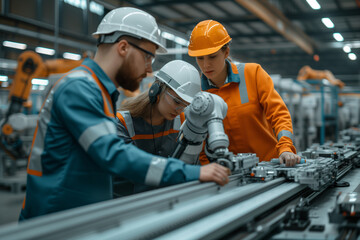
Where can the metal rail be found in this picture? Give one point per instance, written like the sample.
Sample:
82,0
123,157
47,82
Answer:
158,212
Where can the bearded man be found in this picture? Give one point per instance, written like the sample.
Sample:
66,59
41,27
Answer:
76,149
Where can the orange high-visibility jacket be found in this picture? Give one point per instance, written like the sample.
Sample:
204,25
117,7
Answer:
257,119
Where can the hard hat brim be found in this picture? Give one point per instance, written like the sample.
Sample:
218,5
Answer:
203,52
183,96
160,47
206,51
180,94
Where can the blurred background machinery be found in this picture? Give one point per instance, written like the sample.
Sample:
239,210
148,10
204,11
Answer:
19,120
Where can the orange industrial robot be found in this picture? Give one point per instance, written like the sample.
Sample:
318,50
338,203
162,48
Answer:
306,72
30,65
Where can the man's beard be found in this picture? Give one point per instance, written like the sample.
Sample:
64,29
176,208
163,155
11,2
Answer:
125,76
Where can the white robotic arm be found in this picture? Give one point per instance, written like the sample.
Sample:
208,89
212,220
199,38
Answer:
203,118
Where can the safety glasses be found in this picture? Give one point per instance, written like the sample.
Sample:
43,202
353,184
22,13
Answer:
149,56
177,103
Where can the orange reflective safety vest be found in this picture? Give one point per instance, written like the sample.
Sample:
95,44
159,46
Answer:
257,119
159,140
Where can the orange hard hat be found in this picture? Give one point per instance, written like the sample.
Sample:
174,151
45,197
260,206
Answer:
207,37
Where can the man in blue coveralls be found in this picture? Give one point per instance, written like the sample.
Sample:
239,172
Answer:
76,149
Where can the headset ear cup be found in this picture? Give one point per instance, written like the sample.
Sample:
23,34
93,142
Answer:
154,92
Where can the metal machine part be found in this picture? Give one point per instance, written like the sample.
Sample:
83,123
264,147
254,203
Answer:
347,208
316,173
203,119
170,213
244,208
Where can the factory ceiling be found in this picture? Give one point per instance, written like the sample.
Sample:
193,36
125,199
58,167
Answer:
281,35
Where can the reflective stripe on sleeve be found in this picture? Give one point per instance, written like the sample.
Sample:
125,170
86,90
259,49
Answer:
155,171
91,134
108,109
129,122
285,133
242,85
34,164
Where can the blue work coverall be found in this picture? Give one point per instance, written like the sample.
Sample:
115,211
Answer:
76,149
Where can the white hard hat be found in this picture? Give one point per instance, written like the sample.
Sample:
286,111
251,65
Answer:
132,22
181,77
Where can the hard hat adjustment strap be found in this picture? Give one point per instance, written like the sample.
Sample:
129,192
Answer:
169,80
114,37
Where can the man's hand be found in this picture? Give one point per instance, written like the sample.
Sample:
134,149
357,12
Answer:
289,158
214,173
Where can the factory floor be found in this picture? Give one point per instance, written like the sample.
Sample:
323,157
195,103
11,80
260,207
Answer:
10,205
12,192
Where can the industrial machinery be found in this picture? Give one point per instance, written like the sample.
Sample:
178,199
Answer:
283,203
30,65
17,128
306,72
204,122
203,119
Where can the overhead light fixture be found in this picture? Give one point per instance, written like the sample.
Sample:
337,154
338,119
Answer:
97,8
327,22
3,78
71,56
347,49
181,41
39,81
352,56
172,37
314,4
46,51
16,45
94,6
338,37
168,36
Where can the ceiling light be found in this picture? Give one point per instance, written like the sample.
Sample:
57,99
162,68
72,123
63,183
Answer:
338,37
352,56
314,4
46,51
39,81
181,41
347,49
327,22
97,8
168,36
3,78
72,56
16,45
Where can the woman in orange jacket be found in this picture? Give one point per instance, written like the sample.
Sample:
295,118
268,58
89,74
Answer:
257,120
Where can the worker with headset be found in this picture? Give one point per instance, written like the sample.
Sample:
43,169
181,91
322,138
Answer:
151,120
257,120
76,149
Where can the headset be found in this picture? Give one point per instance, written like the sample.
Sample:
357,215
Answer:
154,92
